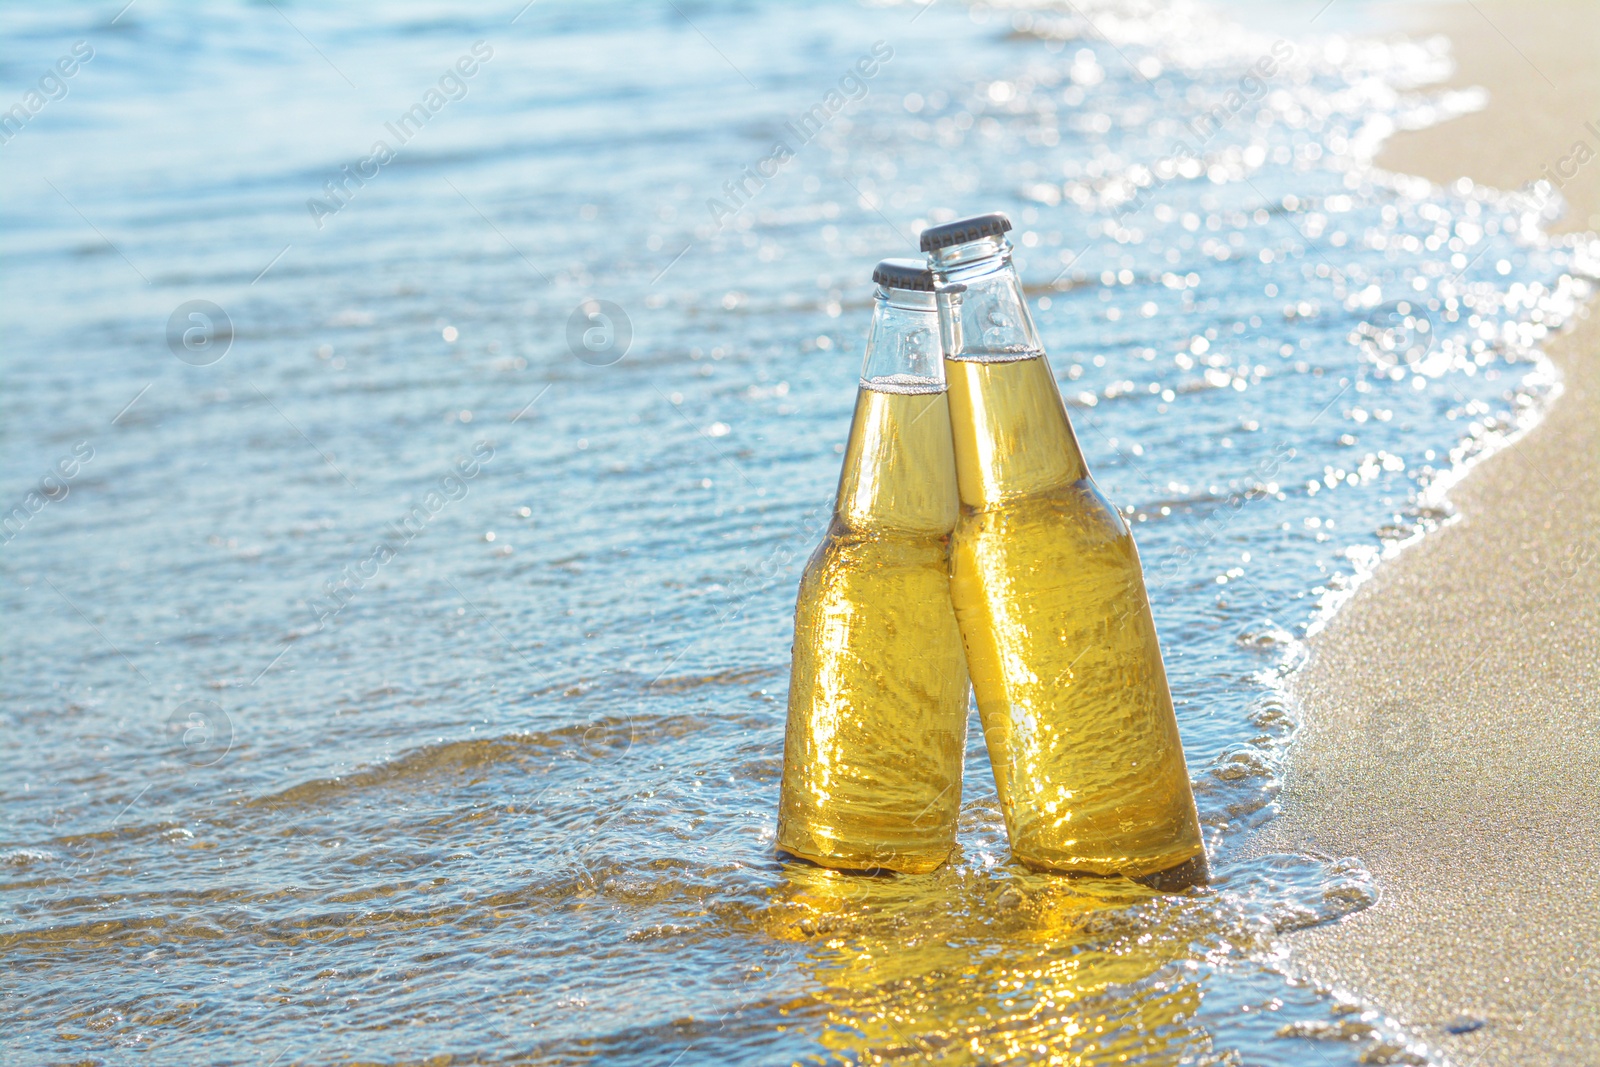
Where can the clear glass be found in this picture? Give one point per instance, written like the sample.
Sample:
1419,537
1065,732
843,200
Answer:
982,312
878,689
1051,602
903,353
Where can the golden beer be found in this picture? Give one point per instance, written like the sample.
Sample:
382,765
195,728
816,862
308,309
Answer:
1073,696
878,691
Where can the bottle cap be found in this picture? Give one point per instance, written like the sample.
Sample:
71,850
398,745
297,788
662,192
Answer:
961,231
904,274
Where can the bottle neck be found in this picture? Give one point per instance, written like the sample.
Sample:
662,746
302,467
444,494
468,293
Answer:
1010,430
983,313
899,466
903,342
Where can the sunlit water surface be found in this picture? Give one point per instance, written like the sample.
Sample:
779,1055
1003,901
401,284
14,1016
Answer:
285,782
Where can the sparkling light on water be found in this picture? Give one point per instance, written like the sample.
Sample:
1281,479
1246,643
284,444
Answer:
400,673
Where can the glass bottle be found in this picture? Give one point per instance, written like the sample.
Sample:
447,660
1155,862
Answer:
1051,600
878,690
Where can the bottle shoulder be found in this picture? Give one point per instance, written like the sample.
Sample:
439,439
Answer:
1078,503
855,537
853,567
1080,494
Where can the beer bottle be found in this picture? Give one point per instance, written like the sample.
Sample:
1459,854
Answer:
878,691
1051,601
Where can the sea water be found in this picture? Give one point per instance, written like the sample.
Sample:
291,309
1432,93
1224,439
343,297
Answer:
398,673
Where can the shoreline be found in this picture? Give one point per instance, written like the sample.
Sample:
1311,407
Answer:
1450,731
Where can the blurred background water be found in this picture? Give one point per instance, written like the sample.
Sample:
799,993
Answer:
396,672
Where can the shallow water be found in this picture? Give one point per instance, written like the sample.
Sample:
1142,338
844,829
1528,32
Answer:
404,681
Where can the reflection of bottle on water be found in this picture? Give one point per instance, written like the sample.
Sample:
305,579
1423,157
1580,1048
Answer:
878,691
1078,1003
1051,600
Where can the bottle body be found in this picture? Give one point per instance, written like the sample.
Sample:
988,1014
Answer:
1062,649
1050,597
878,691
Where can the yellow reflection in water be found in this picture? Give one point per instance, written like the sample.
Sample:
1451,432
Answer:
964,967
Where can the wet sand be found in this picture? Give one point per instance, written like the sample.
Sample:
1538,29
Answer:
1452,713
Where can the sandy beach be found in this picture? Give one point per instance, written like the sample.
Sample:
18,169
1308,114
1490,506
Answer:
415,431
1451,723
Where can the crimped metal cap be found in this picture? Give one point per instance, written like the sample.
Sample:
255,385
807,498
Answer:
961,231
904,274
